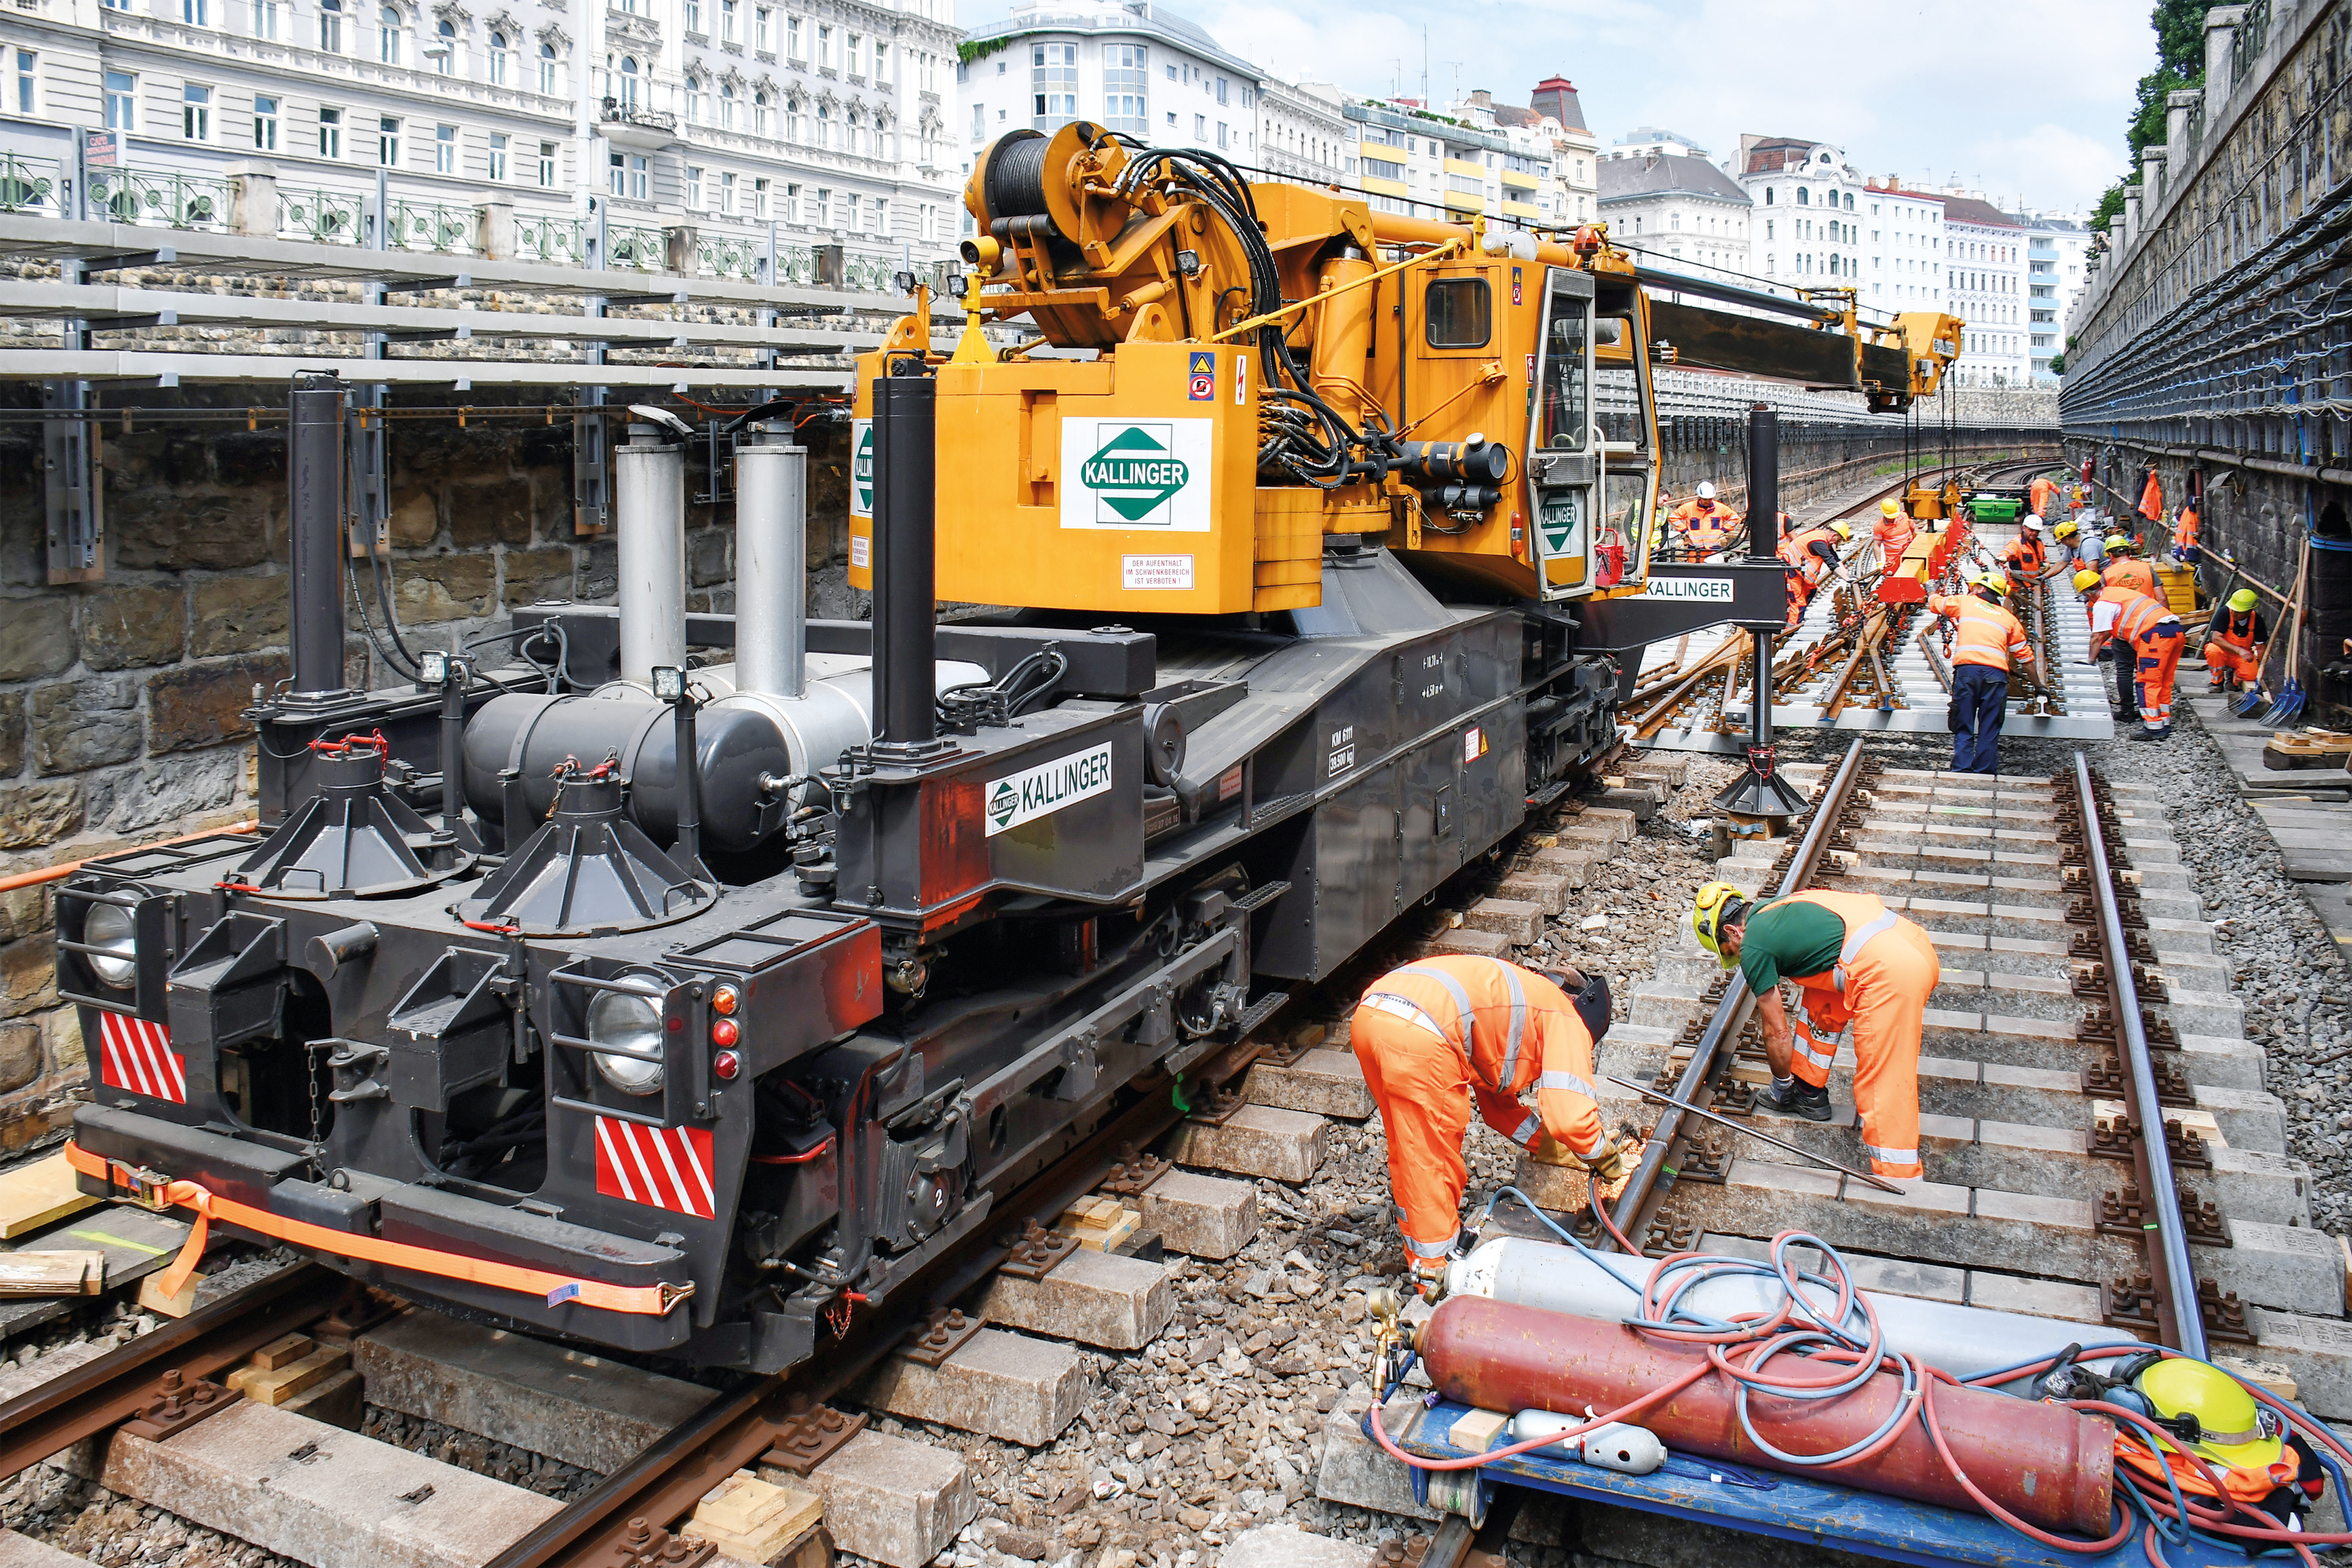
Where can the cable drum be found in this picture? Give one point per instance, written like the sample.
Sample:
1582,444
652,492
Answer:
1014,185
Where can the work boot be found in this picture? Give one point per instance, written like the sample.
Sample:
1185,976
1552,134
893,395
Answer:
1800,1099
2144,733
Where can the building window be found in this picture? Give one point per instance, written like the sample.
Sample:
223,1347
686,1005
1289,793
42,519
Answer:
763,115
497,159
640,179
196,112
693,13
444,149
265,124
265,19
694,107
387,35
197,13
761,211
330,26
501,59
331,133
629,83
1200,128
823,209
444,48
881,62
824,47
726,107
979,123
825,125
548,81
387,141
547,166
726,194
694,187
727,24
793,40
28,82
617,176
1052,85
791,203
1127,70
1221,141
1221,90
763,29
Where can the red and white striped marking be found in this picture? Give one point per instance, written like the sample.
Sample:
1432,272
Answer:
136,1055
665,1167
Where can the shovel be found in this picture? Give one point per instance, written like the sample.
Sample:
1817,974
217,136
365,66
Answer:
2289,706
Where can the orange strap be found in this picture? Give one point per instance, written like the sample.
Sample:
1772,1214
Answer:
159,1192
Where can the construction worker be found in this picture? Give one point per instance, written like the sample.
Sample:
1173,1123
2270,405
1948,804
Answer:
2124,566
2185,530
1855,962
2042,495
1895,531
2154,636
2062,542
1987,638
1439,1034
1813,552
2235,642
1702,525
2026,558
2104,602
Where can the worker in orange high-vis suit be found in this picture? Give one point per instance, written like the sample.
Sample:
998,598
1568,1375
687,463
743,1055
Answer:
1701,525
1439,1035
2125,569
1895,531
2042,495
2026,558
2155,637
2185,531
2236,639
1855,961
2104,602
1987,637
1813,552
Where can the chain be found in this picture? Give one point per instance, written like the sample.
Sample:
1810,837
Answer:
318,1137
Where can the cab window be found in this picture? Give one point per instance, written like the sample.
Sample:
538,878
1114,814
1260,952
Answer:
1457,313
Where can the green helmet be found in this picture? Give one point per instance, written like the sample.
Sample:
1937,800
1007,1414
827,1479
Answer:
2119,545
2242,600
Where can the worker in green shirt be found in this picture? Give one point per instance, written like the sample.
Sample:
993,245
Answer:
1856,961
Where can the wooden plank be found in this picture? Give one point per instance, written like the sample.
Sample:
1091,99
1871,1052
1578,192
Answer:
36,1194
283,1352
52,1274
276,1386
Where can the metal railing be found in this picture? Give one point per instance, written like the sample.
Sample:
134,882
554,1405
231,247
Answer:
616,112
432,225
30,185
2246,44
558,241
627,245
160,198
727,256
323,217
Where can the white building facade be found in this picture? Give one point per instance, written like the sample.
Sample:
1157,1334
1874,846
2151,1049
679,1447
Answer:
2054,280
1820,224
1676,207
1987,279
706,134
1303,134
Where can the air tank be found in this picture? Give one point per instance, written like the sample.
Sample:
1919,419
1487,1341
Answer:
1343,336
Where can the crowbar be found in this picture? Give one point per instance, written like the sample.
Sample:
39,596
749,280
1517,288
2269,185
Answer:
1751,1131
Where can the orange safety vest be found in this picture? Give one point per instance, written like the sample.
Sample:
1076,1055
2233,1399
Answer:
2236,631
1795,552
1988,634
1706,524
1865,916
2141,616
2244,1483
1896,532
1509,1039
2043,492
2151,499
2185,528
2109,594
2137,576
2026,554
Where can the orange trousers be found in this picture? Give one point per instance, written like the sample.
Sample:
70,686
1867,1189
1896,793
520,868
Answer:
1424,1088
1885,1000
2226,661
2158,649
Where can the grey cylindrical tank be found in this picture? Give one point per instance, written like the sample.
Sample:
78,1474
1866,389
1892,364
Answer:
533,734
835,711
1963,1341
770,565
649,495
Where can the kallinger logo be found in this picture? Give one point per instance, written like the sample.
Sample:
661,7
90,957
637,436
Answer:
1003,803
1135,473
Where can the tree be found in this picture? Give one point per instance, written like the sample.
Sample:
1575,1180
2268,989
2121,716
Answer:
2179,28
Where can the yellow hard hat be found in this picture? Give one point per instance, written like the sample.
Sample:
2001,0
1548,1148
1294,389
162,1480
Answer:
2118,543
2232,1428
2242,600
1993,583
1890,507
2085,580
1842,530
2064,531
1714,903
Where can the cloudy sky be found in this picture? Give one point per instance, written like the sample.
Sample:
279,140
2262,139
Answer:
2026,98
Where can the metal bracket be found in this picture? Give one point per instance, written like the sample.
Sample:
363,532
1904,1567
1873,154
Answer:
371,520
940,1336
644,1545
72,489
178,1404
1133,1171
1035,1252
807,1438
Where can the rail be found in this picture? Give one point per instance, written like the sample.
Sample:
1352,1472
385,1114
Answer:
1636,1205
2180,1322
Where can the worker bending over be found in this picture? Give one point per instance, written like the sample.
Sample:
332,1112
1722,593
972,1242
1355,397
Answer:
1437,1034
2042,495
2235,642
2103,601
1854,960
1895,531
1986,638
1702,526
2144,638
2026,558
1813,553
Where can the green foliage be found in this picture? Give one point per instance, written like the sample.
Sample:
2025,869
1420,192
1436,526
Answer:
971,49
2057,364
2179,28
2111,206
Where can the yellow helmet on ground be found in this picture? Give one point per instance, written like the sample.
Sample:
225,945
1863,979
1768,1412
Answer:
2242,600
1842,530
1890,507
2212,1413
2087,579
1716,902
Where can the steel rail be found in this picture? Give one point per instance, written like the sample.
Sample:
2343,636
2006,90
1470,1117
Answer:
1634,1204
110,1389
2170,1270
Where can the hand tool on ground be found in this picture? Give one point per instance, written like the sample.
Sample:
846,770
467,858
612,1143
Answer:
1743,1127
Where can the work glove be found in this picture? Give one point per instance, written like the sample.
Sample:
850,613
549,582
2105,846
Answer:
1608,1166
1550,1151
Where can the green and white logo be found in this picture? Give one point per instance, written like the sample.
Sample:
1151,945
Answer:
861,467
1137,474
1563,522
1135,471
1046,788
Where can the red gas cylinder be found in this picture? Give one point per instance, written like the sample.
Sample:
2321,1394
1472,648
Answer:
2048,1464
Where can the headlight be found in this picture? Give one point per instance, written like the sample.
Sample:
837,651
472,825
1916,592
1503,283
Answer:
633,1023
111,927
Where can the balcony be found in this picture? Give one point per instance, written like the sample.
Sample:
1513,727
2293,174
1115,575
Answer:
629,124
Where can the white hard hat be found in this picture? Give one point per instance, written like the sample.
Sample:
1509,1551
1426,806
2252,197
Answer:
1706,490
2032,520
